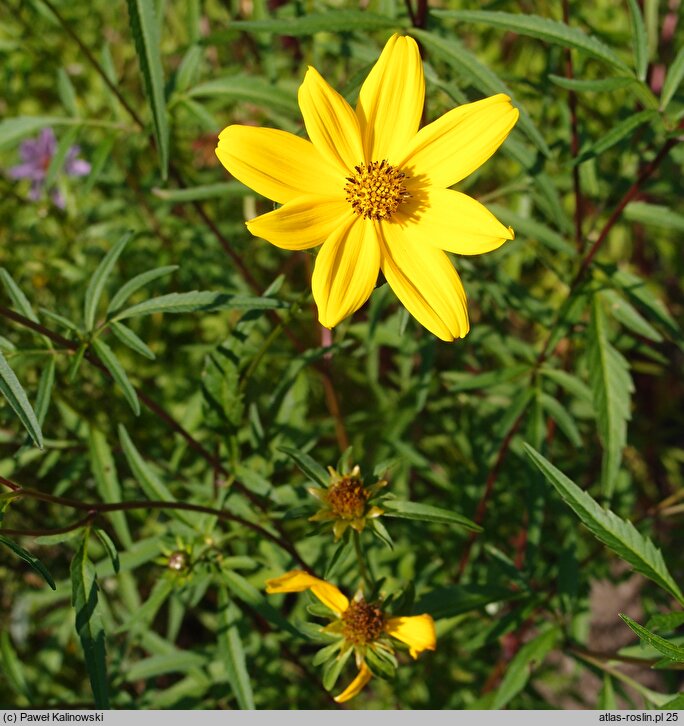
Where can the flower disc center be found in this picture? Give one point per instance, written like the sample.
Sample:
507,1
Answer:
362,622
376,190
347,498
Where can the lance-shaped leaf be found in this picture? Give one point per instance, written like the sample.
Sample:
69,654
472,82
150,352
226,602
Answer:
136,283
30,559
232,651
307,465
99,279
535,26
670,650
16,397
112,364
611,385
426,513
145,31
618,534
195,301
520,668
89,622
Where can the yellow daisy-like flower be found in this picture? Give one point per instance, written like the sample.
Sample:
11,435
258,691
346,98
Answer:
360,625
372,189
346,501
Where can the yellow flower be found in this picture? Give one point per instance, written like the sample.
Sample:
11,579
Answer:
372,189
346,501
360,626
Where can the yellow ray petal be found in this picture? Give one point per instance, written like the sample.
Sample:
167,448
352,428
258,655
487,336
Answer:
451,221
302,223
391,101
356,686
417,631
447,150
425,281
276,164
346,270
299,581
330,122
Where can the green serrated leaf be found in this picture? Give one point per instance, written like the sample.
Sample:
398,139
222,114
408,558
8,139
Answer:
569,382
611,385
112,364
426,513
191,302
16,397
130,339
520,668
561,416
617,534
673,80
110,548
30,559
136,283
232,651
453,53
672,651
99,279
307,465
145,31
89,627
626,314
534,26
107,481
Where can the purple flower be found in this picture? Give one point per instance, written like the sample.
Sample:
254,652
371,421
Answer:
36,156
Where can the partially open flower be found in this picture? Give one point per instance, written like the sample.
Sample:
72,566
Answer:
358,627
346,501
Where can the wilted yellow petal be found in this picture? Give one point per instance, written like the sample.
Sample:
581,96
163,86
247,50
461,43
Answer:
451,221
425,281
276,164
299,581
417,631
391,101
346,270
330,122
302,223
356,686
447,150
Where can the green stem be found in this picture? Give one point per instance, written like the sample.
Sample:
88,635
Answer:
363,569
